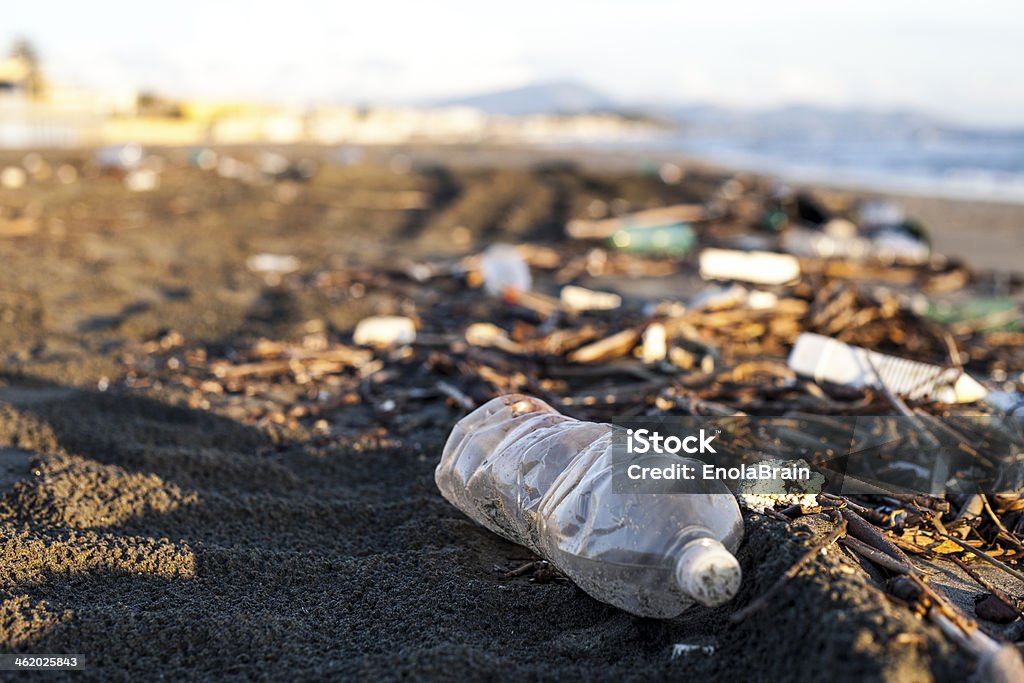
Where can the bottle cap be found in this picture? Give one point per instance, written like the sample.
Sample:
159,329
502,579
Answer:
708,572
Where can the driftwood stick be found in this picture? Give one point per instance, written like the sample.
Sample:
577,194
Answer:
868,533
985,556
1000,594
877,556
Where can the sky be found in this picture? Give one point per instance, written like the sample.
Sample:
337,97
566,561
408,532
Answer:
957,60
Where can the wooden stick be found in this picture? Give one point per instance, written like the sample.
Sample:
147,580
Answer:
985,556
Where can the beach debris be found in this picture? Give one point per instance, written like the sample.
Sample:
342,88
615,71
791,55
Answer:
580,299
490,335
611,347
840,238
1006,402
515,463
730,342
829,360
716,298
278,264
385,331
504,270
672,239
683,649
990,608
768,493
982,314
541,304
654,346
880,213
996,661
607,228
758,267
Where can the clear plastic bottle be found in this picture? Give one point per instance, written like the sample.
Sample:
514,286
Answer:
504,270
544,480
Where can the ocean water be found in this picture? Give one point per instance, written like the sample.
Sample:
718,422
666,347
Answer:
968,167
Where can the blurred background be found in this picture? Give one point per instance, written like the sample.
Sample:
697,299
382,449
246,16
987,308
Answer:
873,94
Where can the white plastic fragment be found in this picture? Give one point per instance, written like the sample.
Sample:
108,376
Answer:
762,494
829,360
385,331
504,270
272,263
759,267
717,297
680,649
582,299
759,300
654,345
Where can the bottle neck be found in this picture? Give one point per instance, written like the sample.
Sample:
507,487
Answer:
706,571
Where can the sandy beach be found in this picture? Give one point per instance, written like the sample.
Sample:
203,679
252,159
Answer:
164,537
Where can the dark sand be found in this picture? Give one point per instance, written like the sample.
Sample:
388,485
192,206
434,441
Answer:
166,542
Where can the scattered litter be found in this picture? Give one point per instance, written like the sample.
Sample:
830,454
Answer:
981,314
1006,402
615,346
759,267
515,463
763,494
681,649
581,299
280,264
385,331
841,239
830,360
642,220
672,239
715,297
655,344
490,335
504,270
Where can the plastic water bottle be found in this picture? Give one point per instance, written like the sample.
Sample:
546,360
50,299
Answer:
544,480
504,270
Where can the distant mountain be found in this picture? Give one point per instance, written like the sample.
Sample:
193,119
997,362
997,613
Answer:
556,97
